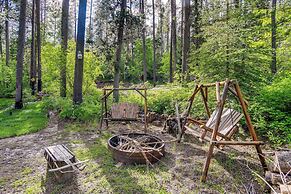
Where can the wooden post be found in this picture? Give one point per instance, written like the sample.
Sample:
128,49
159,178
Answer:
191,99
145,111
203,134
217,92
205,102
102,111
215,131
105,107
250,126
206,94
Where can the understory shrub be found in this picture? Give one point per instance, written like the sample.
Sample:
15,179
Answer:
89,110
272,111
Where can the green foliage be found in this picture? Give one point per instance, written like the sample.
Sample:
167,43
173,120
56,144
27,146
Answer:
30,119
51,66
89,110
5,102
7,78
272,111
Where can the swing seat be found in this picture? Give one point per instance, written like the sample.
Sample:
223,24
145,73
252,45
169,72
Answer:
124,112
227,126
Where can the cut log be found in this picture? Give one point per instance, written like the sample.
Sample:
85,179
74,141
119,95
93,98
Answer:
275,178
282,159
285,189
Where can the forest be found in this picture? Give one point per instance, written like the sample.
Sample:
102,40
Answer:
58,56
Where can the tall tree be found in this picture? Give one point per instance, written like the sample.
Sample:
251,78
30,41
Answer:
182,25
1,31
154,45
161,23
20,55
227,40
186,36
78,74
75,20
118,49
173,48
64,45
274,45
142,10
196,25
7,41
38,39
32,51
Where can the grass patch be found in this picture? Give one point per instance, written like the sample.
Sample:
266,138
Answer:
30,119
5,102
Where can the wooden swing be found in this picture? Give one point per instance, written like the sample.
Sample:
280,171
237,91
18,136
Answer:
123,111
222,123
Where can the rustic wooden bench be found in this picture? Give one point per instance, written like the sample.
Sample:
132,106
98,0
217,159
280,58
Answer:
62,162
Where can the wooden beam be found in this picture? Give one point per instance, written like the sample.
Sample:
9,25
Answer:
238,142
215,131
205,102
145,111
190,101
124,89
250,125
217,92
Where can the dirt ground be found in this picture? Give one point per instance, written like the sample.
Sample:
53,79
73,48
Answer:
23,166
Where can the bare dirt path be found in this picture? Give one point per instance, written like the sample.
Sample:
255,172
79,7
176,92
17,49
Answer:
23,166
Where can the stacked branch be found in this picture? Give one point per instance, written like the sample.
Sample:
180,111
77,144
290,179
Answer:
141,144
279,173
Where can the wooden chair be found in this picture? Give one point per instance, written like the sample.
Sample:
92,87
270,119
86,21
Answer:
227,127
222,123
123,111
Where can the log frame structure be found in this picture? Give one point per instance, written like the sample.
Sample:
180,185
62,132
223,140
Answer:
217,139
105,115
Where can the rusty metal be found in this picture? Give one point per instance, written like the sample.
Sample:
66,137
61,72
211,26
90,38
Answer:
137,156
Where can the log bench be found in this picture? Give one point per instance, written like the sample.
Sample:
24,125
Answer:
62,162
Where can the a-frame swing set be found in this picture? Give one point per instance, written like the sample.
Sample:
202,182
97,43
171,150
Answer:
222,123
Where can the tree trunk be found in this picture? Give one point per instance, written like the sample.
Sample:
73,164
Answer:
38,39
78,75
173,49
32,52
154,45
44,21
274,46
182,26
196,26
20,55
186,37
75,20
144,41
90,25
7,41
162,10
168,28
132,34
1,49
64,45
227,40
118,50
